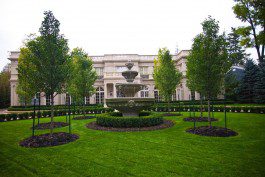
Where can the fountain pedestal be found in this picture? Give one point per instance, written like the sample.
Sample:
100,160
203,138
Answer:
129,105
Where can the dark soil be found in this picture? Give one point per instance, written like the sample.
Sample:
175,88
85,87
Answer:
165,124
83,117
171,114
212,131
47,140
198,119
43,126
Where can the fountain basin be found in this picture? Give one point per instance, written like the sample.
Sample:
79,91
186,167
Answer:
129,89
130,106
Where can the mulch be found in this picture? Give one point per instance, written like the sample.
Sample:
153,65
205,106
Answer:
46,140
212,131
44,126
165,124
199,119
83,117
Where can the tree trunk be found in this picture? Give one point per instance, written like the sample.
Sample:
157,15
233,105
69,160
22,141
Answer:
52,114
201,106
209,113
168,105
84,112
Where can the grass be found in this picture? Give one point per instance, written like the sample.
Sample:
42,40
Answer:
168,152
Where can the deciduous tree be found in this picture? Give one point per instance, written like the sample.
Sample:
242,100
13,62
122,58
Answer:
166,76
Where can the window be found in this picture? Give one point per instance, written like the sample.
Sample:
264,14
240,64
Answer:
37,98
48,100
87,100
145,92
157,96
99,71
174,96
120,68
99,95
67,99
143,70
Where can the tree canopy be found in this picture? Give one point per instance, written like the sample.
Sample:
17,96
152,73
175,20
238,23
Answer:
166,76
208,61
253,33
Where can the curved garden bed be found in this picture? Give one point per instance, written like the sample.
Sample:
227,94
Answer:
44,126
116,120
199,119
212,131
165,124
83,117
46,140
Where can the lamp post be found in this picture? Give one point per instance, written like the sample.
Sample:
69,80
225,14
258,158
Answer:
179,104
39,109
69,114
34,114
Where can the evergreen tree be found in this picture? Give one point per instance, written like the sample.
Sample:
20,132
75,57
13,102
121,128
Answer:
246,88
260,84
236,53
231,86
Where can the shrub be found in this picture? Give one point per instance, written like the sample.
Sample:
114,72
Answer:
117,121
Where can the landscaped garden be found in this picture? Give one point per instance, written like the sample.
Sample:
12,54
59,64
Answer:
165,152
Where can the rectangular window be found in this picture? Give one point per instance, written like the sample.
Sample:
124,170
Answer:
143,70
99,71
87,99
68,99
48,100
120,69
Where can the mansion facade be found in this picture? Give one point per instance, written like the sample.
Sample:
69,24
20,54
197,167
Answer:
109,68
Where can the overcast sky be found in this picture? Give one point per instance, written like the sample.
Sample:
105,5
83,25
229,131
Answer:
114,26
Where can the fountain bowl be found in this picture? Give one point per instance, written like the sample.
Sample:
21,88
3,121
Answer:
130,106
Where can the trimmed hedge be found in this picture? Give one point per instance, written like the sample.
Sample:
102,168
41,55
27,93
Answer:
116,120
196,108
56,107
29,115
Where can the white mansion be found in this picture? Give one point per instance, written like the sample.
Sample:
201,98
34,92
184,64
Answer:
109,68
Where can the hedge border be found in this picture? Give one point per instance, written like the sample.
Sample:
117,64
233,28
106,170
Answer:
117,121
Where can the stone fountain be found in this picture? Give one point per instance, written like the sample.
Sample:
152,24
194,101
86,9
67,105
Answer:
129,105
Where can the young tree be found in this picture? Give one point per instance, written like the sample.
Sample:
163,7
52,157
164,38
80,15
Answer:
5,87
208,61
246,88
27,83
166,76
50,59
83,76
253,34
236,52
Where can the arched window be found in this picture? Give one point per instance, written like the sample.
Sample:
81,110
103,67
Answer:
99,95
145,92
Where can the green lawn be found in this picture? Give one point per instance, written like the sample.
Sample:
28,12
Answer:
168,152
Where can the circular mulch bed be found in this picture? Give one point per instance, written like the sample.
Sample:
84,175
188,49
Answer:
199,119
171,114
46,140
165,124
83,117
212,131
43,126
